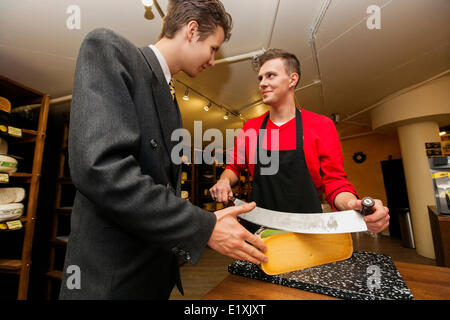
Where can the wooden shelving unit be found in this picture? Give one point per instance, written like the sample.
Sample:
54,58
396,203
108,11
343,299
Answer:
207,176
62,211
188,180
243,189
32,141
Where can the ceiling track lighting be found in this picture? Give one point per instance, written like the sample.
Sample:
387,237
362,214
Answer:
147,3
186,95
210,102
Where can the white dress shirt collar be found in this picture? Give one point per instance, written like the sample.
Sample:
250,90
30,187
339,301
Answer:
162,62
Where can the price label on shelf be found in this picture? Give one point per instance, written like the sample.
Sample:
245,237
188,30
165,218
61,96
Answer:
15,132
14,224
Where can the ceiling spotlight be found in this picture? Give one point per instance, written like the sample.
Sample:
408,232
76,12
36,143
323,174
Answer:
147,3
207,107
186,95
225,117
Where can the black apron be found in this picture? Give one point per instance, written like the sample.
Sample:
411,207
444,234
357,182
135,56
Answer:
289,190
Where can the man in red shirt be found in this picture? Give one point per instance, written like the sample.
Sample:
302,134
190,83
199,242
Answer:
305,145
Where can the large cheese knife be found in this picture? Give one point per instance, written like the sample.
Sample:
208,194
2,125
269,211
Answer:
319,223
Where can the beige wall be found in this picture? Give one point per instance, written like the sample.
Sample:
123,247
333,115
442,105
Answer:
367,177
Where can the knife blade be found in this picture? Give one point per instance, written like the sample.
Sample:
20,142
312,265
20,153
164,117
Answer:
316,223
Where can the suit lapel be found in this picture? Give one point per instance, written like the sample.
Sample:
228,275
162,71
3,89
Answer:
167,108
168,112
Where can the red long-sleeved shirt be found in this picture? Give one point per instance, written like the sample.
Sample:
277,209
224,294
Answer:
321,147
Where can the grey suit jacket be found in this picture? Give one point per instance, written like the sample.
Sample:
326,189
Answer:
128,224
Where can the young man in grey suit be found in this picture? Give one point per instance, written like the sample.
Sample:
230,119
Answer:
129,225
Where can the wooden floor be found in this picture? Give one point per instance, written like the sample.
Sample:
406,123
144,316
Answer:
212,267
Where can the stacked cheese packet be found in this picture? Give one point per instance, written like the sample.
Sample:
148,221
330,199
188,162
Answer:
8,164
10,198
10,203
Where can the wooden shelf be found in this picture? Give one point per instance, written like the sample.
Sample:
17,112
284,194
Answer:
20,95
64,211
10,266
22,219
21,175
26,133
55,274
59,211
60,241
28,136
65,180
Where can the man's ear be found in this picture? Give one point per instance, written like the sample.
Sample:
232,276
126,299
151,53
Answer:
192,30
294,80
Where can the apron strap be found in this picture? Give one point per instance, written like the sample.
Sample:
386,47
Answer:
299,132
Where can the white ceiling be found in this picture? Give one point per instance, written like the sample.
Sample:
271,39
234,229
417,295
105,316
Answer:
358,66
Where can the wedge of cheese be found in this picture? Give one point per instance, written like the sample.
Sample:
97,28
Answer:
296,251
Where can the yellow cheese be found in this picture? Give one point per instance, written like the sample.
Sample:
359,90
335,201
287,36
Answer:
296,251
5,105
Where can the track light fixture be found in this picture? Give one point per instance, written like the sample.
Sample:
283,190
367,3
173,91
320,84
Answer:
147,3
207,107
186,95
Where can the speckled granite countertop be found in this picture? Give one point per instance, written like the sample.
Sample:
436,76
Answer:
364,276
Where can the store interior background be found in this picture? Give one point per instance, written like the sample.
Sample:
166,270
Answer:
387,89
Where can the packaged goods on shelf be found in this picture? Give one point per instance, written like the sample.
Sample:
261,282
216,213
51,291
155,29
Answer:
11,195
10,211
8,164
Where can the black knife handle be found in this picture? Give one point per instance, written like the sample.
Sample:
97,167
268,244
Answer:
230,201
367,206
